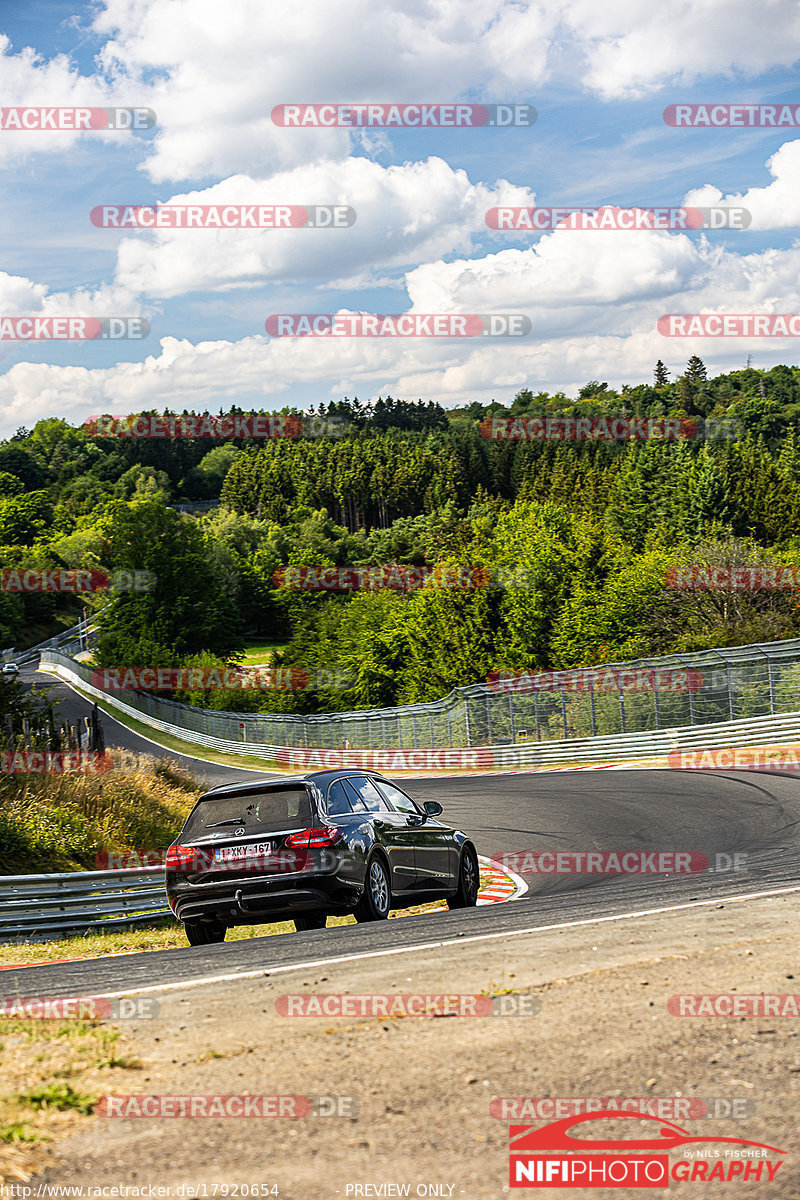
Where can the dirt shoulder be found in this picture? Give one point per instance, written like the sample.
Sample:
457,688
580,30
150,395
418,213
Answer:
424,1084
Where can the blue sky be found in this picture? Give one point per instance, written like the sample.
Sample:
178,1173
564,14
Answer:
599,79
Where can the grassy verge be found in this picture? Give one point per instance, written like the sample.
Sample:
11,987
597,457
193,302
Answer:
62,822
51,1075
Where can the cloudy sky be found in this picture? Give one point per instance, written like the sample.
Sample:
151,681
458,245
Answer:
599,76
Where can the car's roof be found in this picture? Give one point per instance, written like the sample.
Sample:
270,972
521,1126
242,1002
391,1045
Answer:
320,778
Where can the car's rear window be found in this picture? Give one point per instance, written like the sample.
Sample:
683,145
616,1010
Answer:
257,812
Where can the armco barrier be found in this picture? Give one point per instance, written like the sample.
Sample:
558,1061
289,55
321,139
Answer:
706,688
35,907
756,731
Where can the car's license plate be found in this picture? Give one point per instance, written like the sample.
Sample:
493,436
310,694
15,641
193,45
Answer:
238,853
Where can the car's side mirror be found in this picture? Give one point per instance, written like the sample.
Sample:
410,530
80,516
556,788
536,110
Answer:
432,808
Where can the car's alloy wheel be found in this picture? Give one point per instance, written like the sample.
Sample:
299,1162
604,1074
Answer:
310,921
468,881
204,933
374,905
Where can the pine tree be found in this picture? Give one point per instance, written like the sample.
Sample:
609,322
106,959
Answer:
696,368
710,501
661,374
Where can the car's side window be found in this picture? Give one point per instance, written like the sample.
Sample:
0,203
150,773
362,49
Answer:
356,802
338,801
369,794
399,800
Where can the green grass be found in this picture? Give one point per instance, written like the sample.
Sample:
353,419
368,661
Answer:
18,1131
58,1095
262,652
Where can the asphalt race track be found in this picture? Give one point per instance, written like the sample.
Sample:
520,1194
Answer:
754,814
73,707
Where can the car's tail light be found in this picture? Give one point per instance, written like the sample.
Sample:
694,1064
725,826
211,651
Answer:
320,835
187,858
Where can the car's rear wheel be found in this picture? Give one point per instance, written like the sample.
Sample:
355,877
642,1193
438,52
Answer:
310,921
376,901
204,933
468,881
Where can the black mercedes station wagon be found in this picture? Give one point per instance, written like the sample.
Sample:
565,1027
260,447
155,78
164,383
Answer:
302,849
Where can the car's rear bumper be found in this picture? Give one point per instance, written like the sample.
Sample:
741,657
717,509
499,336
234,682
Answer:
240,902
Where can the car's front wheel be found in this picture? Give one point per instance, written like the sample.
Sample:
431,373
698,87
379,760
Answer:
204,933
310,921
468,881
376,901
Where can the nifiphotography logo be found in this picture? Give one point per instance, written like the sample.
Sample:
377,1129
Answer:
551,1156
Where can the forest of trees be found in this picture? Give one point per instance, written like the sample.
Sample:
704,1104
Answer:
593,526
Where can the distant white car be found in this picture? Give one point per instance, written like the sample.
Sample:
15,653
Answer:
10,669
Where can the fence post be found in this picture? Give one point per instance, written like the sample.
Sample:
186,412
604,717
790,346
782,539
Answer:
564,712
488,720
730,691
511,717
466,720
594,712
772,707
621,708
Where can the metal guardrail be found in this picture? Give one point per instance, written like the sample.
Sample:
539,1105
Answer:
38,907
752,731
730,684
77,637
